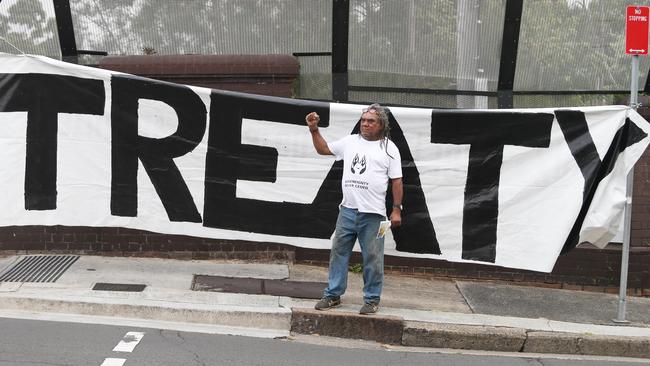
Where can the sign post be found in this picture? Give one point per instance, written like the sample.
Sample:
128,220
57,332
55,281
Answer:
636,43
636,30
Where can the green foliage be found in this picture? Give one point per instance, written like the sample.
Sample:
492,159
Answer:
203,26
572,47
356,268
416,37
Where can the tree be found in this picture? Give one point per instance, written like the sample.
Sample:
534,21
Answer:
30,29
203,26
107,26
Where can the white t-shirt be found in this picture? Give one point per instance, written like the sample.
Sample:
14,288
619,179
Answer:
367,167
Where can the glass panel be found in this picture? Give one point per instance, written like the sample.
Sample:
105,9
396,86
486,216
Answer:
29,26
564,45
415,43
417,99
580,100
575,45
315,77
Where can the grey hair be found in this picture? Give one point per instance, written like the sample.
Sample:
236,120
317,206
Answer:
382,113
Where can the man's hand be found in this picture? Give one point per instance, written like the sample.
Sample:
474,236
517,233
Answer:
396,218
320,144
312,121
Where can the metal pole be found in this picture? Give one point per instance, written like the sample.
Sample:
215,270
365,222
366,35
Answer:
340,41
65,30
625,255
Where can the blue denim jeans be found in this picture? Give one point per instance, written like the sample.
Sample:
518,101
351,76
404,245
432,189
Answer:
350,225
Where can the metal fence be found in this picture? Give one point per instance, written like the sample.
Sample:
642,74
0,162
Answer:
435,53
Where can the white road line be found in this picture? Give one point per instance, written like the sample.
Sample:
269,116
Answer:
113,362
128,343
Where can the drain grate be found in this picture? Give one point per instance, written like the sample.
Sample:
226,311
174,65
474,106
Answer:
126,287
258,286
38,268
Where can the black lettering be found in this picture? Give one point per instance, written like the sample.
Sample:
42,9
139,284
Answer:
43,97
156,155
417,234
576,133
228,160
487,133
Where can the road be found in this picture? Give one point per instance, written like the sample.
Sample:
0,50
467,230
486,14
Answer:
36,342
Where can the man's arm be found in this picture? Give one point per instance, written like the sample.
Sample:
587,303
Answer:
398,194
316,138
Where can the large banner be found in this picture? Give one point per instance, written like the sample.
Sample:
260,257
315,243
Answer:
88,147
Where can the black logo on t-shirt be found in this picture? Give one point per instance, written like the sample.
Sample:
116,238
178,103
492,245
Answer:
358,166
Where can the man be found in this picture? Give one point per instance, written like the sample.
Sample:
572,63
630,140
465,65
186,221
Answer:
370,159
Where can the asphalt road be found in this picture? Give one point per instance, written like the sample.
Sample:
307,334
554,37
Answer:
35,342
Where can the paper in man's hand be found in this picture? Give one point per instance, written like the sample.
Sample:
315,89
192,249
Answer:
383,228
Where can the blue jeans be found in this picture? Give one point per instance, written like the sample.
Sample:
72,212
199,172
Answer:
350,225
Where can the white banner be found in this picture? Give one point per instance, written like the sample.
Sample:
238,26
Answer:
89,147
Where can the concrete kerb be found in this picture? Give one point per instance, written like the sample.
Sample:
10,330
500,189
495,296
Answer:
395,330
225,315
383,329
587,344
483,338
168,298
387,329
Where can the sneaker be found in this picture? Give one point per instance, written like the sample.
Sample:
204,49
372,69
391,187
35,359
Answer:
369,308
327,303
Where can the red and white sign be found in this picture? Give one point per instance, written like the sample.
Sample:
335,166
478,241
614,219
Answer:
636,30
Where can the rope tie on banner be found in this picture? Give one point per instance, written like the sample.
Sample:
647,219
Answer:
11,44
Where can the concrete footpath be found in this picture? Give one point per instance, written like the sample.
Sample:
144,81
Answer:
414,311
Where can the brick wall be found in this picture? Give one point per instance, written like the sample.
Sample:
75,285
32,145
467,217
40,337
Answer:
585,268
115,241
640,234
